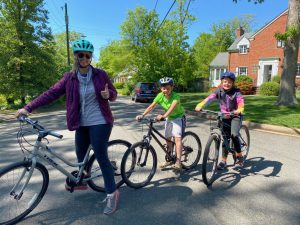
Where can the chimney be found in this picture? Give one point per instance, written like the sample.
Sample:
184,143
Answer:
239,32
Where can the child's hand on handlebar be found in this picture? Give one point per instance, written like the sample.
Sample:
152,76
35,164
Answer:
198,109
160,117
139,117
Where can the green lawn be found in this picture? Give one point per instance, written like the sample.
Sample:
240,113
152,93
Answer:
259,109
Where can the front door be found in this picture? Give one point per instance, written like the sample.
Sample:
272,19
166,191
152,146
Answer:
267,70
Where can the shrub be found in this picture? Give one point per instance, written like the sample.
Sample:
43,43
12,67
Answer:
270,88
129,85
276,79
124,91
245,84
119,85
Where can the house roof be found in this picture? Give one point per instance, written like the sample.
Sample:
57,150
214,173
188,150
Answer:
221,60
233,46
268,24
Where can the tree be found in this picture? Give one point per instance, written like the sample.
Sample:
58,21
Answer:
287,93
27,54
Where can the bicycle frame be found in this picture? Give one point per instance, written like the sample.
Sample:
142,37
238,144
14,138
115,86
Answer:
151,133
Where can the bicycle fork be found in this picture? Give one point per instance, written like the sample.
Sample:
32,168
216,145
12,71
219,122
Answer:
18,195
143,163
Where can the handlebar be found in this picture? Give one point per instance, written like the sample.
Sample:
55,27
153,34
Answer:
151,120
37,126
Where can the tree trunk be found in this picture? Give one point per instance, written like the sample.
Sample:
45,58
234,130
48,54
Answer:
287,92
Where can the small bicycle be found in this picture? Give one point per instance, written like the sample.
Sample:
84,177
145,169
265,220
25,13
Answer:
140,161
23,184
215,142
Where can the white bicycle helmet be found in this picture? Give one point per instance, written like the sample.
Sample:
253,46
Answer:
166,80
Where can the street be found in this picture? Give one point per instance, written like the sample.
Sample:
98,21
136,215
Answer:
266,191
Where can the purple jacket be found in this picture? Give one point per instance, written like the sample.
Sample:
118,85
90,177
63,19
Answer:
69,86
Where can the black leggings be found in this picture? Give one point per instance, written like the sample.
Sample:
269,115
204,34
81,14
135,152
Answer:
231,128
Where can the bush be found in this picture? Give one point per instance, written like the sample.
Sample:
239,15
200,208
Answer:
245,84
129,85
119,85
3,103
276,79
270,88
124,91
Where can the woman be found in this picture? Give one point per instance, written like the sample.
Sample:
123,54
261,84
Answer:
88,91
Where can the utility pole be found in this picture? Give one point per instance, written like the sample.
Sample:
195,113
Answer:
67,32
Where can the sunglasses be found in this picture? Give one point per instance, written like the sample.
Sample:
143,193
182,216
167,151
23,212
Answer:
81,55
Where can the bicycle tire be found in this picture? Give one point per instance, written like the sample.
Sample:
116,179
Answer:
210,159
244,137
116,150
134,161
12,210
192,150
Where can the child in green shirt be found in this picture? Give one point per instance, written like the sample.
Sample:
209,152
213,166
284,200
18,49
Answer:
174,115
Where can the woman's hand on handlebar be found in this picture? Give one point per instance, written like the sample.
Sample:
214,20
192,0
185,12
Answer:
160,117
139,117
198,109
21,112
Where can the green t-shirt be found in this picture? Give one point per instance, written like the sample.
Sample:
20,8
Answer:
166,103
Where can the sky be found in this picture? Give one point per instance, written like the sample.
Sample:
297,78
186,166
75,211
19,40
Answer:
100,20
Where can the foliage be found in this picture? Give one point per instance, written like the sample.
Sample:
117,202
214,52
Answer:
130,85
270,88
125,91
119,85
276,79
243,78
27,64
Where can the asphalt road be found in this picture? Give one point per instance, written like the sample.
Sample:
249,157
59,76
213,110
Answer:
266,191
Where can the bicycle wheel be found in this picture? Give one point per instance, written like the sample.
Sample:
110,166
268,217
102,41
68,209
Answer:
191,151
210,159
245,141
138,165
14,208
116,150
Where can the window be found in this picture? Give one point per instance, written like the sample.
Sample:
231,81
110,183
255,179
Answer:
298,69
243,71
280,44
243,49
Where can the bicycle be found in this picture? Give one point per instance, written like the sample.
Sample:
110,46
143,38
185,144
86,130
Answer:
139,162
215,142
23,184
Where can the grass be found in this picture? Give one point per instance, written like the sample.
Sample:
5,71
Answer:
259,109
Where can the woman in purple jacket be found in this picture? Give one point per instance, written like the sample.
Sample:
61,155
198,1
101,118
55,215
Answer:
88,91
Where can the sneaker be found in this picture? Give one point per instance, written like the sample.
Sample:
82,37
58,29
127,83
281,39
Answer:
239,161
165,164
111,202
177,167
222,165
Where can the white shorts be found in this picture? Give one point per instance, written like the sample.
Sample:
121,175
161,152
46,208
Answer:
175,128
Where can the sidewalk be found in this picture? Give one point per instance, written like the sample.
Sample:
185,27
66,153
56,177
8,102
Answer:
7,117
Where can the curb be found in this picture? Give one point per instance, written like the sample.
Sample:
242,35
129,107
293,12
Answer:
272,128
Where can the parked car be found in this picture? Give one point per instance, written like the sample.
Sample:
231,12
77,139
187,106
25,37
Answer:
144,91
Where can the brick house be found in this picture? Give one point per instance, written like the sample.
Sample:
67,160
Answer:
258,55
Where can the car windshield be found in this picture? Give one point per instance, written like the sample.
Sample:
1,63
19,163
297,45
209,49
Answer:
148,86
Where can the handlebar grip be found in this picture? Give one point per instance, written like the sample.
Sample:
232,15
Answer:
54,134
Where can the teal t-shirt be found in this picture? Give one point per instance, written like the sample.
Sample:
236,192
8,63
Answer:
166,103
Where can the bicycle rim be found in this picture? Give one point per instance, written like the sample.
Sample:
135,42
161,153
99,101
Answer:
116,150
12,210
244,141
138,165
192,149
210,160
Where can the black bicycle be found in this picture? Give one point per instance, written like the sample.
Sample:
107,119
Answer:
23,184
139,163
215,142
